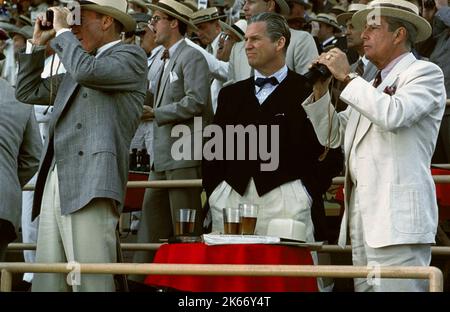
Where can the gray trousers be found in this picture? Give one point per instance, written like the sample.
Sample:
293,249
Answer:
159,207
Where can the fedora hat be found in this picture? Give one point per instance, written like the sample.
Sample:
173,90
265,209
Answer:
175,9
237,28
191,4
117,9
206,15
400,9
352,9
289,229
327,19
140,3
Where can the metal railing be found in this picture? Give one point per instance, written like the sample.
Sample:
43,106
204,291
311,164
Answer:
198,182
433,274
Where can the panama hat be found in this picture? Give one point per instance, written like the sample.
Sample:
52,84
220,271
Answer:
117,9
191,4
175,9
237,28
327,19
206,15
352,9
287,229
400,9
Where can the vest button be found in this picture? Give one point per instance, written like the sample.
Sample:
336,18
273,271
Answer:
80,153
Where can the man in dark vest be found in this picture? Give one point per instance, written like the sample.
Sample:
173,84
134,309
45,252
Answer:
286,181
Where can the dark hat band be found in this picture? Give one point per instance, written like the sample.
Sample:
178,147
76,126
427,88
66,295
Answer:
238,30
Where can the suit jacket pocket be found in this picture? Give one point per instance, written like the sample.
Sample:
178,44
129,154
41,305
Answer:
410,209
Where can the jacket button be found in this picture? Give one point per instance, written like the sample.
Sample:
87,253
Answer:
79,126
80,153
85,95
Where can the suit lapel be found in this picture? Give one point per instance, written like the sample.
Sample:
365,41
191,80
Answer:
391,78
167,71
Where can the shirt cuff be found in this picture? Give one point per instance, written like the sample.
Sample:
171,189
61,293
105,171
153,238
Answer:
29,47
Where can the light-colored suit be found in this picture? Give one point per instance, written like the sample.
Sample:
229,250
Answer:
300,54
20,148
393,138
389,136
84,168
182,95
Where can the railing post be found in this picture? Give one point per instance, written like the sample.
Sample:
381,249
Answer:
6,281
436,279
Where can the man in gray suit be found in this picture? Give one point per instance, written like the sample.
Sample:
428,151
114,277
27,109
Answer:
301,51
20,148
181,93
97,105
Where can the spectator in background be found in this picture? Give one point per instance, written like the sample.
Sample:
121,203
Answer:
19,160
82,179
298,16
329,34
180,94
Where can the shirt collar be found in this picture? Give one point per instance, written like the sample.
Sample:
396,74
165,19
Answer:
327,40
105,47
280,74
173,48
385,71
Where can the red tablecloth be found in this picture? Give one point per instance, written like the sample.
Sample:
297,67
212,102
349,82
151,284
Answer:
198,253
135,196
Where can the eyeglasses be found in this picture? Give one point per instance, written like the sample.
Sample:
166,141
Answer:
155,19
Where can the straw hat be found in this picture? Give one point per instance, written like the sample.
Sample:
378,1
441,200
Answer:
175,9
206,15
400,9
114,8
237,28
327,19
287,229
352,9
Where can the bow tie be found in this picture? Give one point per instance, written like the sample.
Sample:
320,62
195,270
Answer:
260,82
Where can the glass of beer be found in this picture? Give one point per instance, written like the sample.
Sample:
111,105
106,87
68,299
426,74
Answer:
249,214
185,221
231,221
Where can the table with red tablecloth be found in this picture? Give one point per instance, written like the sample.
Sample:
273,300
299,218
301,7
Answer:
199,253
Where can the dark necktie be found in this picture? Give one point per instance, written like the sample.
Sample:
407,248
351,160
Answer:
165,55
261,82
377,80
360,68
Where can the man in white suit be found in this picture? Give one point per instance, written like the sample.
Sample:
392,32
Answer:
389,134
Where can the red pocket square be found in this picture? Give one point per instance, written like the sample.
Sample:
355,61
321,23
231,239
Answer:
390,90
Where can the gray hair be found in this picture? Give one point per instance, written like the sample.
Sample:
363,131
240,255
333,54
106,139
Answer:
395,23
276,26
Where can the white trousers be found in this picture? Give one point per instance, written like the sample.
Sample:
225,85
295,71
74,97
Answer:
395,255
85,236
29,228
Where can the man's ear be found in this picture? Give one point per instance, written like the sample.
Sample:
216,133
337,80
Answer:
281,43
107,22
174,23
400,35
271,6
